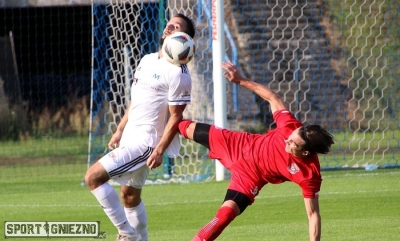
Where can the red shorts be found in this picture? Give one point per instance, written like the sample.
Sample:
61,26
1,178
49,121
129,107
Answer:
234,151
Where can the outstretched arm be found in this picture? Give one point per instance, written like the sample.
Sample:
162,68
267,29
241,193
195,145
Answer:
232,74
314,218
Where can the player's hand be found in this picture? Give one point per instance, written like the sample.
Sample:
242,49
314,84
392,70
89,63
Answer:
232,73
155,160
114,141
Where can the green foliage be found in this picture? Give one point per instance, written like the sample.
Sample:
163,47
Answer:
355,205
8,130
45,146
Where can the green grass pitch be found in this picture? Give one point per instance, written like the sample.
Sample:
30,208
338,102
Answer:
355,205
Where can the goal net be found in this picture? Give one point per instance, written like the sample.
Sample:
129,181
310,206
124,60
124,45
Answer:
334,63
123,32
66,67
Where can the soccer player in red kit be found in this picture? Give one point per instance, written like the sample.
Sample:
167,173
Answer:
287,153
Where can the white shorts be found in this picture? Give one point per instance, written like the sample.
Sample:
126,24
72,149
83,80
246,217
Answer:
127,165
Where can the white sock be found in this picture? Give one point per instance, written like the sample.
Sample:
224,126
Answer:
109,200
137,217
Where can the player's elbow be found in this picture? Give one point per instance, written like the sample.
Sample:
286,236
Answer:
277,103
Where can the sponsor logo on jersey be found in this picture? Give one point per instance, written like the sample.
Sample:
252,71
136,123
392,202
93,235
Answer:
254,191
185,95
156,76
293,168
148,84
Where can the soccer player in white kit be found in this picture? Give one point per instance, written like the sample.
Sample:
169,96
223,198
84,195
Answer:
159,94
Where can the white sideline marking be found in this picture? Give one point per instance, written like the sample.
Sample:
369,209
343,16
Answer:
189,202
361,174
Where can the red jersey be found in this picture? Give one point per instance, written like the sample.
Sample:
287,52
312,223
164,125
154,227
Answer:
257,159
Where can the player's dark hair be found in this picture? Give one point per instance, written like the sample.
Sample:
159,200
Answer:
317,139
191,30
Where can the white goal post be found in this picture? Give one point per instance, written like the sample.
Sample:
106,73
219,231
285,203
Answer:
218,44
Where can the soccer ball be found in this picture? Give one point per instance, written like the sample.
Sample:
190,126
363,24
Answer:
178,48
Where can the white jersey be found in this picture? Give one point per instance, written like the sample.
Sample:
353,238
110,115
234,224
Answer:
156,85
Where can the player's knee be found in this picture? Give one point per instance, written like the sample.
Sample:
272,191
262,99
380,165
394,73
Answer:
240,199
89,177
96,176
130,199
90,180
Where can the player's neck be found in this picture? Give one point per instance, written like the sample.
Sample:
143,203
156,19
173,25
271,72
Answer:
301,155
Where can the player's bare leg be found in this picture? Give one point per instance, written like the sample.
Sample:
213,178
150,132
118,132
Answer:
229,209
224,216
135,210
96,176
97,180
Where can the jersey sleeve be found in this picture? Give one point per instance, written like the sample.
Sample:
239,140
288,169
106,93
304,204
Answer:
286,122
310,188
180,88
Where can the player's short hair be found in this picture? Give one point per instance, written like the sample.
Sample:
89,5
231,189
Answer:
317,139
191,30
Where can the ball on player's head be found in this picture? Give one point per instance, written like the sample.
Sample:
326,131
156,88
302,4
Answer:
178,48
